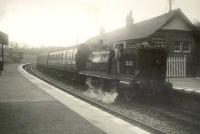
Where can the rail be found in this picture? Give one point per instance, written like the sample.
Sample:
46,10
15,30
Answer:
29,69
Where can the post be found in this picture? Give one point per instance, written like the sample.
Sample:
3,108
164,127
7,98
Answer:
3,41
2,60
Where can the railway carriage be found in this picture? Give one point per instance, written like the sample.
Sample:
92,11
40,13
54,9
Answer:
64,60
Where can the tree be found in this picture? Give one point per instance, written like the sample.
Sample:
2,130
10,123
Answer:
196,31
196,55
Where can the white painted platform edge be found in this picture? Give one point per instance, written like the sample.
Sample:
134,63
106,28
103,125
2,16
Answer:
101,119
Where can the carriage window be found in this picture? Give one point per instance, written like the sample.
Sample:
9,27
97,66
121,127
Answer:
72,55
186,46
159,42
177,46
62,56
69,55
66,56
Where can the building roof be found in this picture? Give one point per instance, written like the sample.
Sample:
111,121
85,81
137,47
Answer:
3,38
138,30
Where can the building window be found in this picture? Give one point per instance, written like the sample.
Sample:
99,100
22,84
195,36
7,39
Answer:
182,46
186,46
177,46
159,42
129,63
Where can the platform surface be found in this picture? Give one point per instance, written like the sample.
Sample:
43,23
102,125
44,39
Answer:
26,109
29,105
187,84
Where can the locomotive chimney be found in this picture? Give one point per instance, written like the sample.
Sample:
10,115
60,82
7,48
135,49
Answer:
129,19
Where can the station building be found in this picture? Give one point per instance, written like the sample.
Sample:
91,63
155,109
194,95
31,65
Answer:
172,31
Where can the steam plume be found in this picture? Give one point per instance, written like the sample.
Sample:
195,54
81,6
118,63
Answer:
100,95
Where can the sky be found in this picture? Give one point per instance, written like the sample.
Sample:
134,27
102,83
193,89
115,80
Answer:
66,22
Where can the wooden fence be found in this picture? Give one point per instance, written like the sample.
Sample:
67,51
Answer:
176,66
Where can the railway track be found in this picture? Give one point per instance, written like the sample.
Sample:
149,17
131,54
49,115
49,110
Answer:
179,121
147,127
178,118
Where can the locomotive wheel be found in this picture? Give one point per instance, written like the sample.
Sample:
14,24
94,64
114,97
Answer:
128,95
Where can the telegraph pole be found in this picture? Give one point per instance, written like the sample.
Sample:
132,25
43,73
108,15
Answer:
2,58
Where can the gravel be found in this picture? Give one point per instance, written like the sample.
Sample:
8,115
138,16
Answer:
167,119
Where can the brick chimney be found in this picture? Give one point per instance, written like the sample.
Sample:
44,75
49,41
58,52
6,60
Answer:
129,19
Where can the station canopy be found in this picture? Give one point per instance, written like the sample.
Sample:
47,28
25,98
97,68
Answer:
3,38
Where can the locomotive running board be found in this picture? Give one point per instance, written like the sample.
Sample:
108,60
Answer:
97,74
106,76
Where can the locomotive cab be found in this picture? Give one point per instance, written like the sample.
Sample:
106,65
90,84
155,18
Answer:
147,68
152,64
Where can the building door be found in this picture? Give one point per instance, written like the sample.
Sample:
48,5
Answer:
176,66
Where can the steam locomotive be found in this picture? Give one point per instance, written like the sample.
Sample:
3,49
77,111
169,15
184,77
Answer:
136,71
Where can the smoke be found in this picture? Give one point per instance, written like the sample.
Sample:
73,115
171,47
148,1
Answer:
97,93
99,57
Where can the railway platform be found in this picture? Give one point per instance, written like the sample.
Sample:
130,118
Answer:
26,109
187,84
31,106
